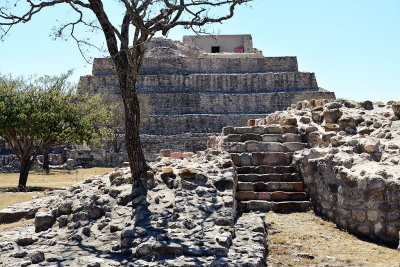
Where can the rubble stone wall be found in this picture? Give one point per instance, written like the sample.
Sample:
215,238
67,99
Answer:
351,166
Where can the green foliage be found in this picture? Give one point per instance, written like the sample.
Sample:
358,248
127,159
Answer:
44,112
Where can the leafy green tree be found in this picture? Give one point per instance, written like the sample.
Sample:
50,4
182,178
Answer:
44,112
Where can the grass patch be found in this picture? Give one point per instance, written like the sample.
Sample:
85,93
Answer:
309,236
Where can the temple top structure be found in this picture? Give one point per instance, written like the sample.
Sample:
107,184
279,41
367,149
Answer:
237,43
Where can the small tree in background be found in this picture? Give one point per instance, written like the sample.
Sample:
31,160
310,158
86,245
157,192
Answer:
42,113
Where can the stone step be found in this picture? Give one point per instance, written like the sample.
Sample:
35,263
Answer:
265,129
262,158
265,206
271,186
276,196
270,177
266,169
261,146
287,137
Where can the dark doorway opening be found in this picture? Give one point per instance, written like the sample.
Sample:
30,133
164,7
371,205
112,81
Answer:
214,49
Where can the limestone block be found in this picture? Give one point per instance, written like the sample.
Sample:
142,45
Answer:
274,147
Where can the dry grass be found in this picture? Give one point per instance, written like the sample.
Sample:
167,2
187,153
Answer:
16,224
56,178
293,238
7,199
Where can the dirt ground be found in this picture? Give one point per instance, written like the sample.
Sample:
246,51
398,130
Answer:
303,239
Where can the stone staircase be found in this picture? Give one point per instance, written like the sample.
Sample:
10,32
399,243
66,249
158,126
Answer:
266,178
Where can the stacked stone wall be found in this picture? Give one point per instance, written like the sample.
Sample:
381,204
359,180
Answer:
208,83
233,63
206,103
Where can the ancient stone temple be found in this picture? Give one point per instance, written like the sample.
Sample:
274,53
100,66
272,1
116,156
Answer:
195,87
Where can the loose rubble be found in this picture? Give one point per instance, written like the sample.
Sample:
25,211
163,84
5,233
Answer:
184,215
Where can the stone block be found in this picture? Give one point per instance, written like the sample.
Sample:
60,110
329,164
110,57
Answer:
274,147
359,215
258,130
242,130
372,215
290,129
245,195
245,159
279,196
231,138
165,153
272,138
264,196
251,122
250,136
291,137
177,155
228,130
254,146
294,146
273,129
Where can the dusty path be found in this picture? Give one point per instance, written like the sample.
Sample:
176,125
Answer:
303,239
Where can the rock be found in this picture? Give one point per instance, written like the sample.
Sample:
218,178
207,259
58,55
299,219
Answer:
26,241
37,257
86,231
65,207
187,173
43,221
396,109
62,221
371,146
367,105
332,115
223,182
19,254
333,105
288,121
124,198
305,255
95,212
225,239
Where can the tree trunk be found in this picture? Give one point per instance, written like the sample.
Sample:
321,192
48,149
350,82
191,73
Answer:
134,150
132,139
46,163
26,165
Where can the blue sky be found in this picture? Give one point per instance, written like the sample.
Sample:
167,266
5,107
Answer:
353,46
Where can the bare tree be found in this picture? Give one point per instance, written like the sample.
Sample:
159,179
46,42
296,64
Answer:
141,20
